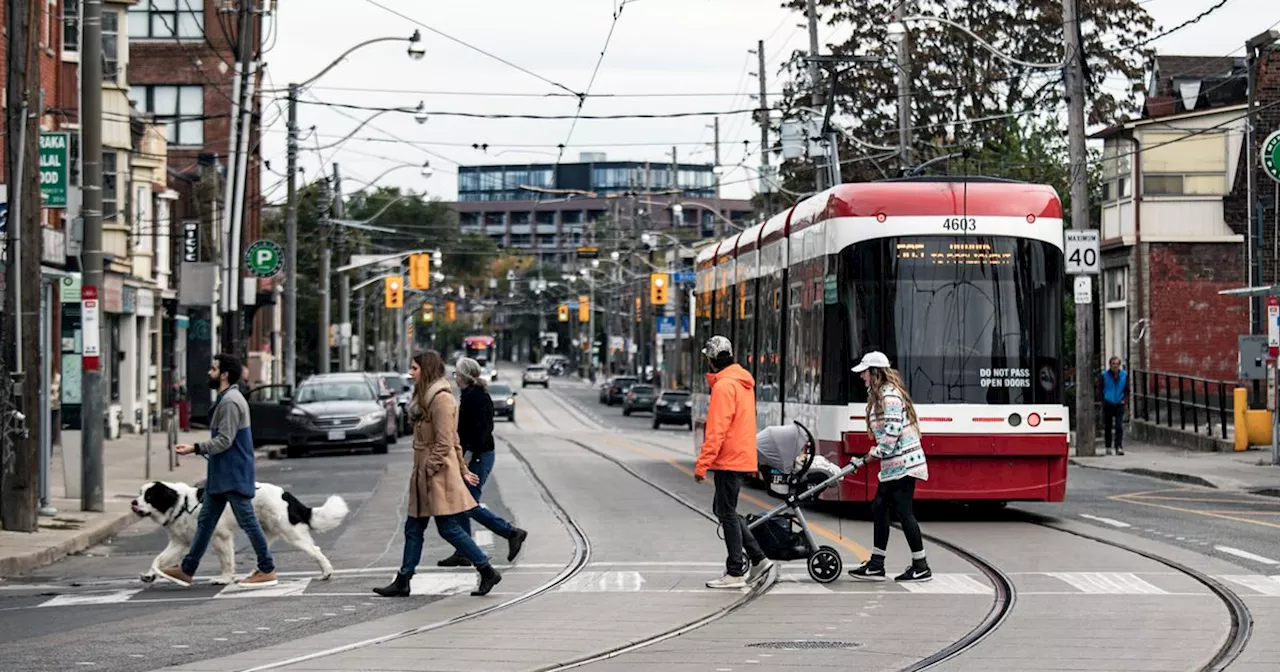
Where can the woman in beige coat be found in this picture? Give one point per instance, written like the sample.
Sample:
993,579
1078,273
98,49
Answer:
438,483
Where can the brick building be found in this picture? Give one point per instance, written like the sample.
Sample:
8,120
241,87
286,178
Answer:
184,71
1174,216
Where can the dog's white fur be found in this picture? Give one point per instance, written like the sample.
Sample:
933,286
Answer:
180,521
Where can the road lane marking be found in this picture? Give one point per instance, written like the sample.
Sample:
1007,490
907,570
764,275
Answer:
284,588
950,584
1195,512
1246,555
1257,582
1108,521
1107,583
96,597
483,537
604,582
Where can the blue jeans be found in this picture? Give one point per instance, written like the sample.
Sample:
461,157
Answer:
481,465
450,529
210,512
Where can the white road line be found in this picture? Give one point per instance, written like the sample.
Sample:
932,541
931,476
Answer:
1245,554
950,584
1107,521
97,597
1263,584
483,538
1107,583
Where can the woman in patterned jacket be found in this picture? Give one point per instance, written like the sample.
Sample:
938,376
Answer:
893,425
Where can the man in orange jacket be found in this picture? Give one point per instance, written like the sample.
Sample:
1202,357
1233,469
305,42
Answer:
729,450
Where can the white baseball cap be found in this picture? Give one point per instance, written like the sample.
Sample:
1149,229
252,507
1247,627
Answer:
716,346
872,360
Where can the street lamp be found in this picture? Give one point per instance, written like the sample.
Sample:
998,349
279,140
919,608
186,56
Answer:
416,52
427,170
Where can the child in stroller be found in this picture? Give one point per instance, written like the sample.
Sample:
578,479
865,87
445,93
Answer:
797,474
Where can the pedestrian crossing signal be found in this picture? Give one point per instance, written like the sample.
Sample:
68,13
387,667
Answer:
562,312
393,289
658,284
420,271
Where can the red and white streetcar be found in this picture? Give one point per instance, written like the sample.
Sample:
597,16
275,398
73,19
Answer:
958,280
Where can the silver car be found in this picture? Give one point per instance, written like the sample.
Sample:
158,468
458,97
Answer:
536,375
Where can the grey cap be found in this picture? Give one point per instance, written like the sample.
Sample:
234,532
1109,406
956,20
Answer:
717,346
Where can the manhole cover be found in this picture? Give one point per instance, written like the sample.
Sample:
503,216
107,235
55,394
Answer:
800,644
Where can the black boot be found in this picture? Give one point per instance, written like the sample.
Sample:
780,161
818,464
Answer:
397,588
489,577
515,542
454,560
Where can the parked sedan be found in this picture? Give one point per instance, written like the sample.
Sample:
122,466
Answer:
339,410
639,398
672,408
504,401
401,386
536,375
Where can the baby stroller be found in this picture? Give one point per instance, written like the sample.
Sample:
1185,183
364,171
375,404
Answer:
795,473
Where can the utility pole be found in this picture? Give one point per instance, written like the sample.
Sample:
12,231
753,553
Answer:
904,89
344,279
20,479
237,166
322,343
1086,444
92,405
715,126
762,117
291,242
815,81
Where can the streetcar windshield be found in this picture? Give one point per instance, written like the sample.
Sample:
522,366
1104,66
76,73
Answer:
967,320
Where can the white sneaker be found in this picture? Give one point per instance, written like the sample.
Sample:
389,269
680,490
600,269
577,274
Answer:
728,582
759,570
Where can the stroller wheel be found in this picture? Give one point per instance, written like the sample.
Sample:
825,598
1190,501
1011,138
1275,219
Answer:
825,565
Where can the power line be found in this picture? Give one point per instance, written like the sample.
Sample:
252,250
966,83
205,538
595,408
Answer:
548,117
470,46
1184,24
512,94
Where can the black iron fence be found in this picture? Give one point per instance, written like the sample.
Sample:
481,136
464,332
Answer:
1200,405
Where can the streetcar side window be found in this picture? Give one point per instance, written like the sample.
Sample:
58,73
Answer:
745,344
769,316
838,349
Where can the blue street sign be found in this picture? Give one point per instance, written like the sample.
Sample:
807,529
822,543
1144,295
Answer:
684,278
667,325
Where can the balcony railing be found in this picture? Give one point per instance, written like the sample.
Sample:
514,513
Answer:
1181,401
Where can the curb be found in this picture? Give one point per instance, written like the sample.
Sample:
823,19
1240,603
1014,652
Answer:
21,564
1152,473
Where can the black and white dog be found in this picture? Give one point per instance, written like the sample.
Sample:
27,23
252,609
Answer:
176,508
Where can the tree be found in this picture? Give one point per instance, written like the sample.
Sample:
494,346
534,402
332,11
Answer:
956,82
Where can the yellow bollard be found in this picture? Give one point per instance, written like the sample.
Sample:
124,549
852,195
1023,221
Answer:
1241,398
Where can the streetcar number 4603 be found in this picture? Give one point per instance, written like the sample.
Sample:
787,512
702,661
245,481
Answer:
960,224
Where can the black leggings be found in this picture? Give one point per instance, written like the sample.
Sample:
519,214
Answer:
895,497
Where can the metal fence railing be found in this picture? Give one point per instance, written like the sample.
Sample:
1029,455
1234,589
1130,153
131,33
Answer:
1183,402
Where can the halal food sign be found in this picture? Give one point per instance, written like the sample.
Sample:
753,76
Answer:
1271,156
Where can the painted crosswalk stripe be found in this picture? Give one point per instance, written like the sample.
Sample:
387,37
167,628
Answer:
1107,583
604,582
949,584
1245,554
798,584
441,584
286,588
1106,521
96,597
483,537
1266,585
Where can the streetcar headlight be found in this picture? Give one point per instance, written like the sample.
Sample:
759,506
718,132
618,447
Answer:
1015,419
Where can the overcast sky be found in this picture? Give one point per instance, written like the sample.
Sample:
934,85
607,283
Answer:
657,47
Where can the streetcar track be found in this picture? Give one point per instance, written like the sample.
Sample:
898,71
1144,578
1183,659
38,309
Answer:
581,556
1241,618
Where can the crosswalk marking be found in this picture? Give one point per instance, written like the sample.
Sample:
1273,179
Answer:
950,584
1266,585
483,537
95,597
604,582
441,584
1107,583
286,588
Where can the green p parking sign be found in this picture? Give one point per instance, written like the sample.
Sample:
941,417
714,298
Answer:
264,259
1271,156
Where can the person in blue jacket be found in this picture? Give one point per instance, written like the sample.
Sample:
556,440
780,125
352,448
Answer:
1115,393
231,478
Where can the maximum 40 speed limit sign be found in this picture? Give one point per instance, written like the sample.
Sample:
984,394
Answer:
1082,251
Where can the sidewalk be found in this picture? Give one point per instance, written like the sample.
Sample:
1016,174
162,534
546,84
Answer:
1249,471
72,530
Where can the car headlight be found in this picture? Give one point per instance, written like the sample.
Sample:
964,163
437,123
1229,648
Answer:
370,418
511,401
299,416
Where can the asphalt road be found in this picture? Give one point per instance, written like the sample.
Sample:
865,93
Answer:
1239,528
90,611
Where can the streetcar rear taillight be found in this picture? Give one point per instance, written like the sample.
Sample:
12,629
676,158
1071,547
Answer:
1033,420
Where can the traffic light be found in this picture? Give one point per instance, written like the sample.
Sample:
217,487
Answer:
420,271
562,312
394,290
637,309
450,310
428,312
658,283
584,308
